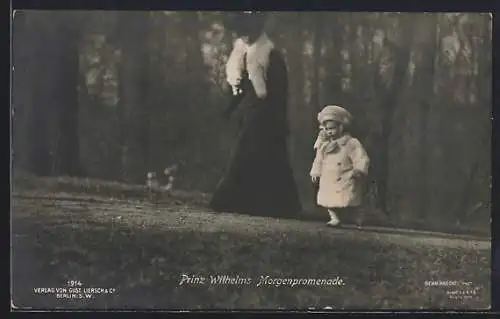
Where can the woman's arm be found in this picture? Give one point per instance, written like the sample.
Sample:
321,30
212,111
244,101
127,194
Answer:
235,61
233,104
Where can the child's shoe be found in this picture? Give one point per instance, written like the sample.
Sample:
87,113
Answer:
334,220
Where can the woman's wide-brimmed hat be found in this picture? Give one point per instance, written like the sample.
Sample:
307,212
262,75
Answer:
335,113
245,21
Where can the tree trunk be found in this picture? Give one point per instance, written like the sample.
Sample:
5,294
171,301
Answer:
334,94
21,93
67,106
389,99
196,92
317,47
45,93
477,188
424,82
484,77
31,95
133,84
298,108
315,95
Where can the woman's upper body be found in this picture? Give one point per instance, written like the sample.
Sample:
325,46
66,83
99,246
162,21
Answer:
250,45
266,88
254,58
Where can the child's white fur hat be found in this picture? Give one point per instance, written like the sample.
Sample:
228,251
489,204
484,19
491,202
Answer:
335,113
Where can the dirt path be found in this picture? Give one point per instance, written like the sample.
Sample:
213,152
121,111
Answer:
178,217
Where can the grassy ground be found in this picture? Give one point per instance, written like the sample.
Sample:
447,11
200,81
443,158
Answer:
141,249
115,190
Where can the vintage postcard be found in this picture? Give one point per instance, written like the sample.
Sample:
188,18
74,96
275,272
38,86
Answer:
204,160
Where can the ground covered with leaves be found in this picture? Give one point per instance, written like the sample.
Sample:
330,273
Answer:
141,249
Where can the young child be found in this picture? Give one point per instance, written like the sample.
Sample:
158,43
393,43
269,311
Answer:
339,164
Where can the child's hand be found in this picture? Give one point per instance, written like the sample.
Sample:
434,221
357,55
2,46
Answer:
315,179
322,135
356,174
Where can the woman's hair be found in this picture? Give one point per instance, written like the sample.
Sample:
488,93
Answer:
245,23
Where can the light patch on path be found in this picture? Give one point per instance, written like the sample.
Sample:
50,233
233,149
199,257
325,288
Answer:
184,218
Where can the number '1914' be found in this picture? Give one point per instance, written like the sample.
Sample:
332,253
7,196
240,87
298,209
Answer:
74,283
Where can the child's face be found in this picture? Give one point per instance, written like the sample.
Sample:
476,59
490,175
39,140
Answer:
331,129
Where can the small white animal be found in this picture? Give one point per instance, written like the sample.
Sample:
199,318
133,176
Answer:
156,183
152,180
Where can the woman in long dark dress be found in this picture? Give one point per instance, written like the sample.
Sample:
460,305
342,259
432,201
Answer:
259,179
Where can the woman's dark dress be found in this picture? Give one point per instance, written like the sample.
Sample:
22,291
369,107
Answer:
259,179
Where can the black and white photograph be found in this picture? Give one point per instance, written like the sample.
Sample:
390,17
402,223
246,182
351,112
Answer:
250,160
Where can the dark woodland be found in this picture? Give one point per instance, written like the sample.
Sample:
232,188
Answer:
111,96
114,96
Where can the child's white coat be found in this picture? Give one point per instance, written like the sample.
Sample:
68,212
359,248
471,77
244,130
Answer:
337,188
